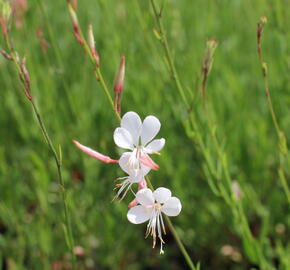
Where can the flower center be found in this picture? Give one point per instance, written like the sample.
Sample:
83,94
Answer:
134,162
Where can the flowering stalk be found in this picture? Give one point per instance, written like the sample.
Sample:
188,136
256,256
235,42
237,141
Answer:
25,79
86,47
282,147
99,77
56,50
225,186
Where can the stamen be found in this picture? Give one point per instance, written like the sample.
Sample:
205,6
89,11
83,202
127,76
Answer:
125,185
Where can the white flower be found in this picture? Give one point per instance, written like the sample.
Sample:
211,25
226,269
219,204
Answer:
138,137
151,206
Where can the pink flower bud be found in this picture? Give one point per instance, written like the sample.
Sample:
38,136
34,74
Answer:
119,85
74,4
91,41
94,154
6,55
25,78
75,23
119,81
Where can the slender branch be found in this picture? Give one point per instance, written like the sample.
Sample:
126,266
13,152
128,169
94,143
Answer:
175,235
103,84
227,195
164,42
24,77
282,147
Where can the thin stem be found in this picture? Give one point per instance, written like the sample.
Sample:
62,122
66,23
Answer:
158,16
175,235
227,195
103,84
56,50
282,144
97,72
67,224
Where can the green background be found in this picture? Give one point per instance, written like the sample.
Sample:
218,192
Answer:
73,106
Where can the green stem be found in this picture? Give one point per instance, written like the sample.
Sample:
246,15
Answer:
227,195
100,79
282,143
67,223
175,235
58,56
169,57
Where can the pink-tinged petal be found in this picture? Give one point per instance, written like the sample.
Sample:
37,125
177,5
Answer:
132,203
142,184
150,128
145,197
147,161
162,194
94,154
132,122
155,146
172,207
139,214
123,138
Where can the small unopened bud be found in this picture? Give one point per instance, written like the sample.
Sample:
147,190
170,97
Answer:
119,85
6,55
263,19
74,4
72,13
5,14
211,45
75,23
91,41
119,81
261,24
24,76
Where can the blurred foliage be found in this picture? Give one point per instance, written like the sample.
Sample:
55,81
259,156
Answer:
74,107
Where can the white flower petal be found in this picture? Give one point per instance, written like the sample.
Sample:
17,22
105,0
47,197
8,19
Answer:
145,196
172,207
123,138
139,214
132,122
154,146
135,176
145,170
162,194
150,128
124,162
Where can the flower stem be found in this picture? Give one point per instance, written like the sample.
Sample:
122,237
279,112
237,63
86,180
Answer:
100,79
67,223
282,143
225,185
158,16
175,235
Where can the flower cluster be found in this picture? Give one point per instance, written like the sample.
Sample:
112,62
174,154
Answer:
148,205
